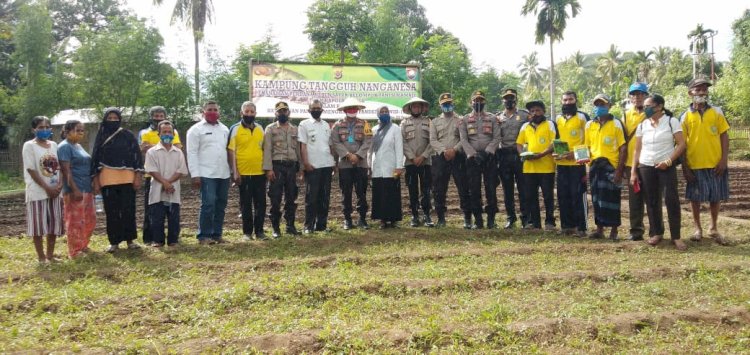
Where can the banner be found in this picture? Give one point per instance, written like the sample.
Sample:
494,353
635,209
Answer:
299,83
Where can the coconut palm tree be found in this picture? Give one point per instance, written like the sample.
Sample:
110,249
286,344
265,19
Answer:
194,14
607,67
531,74
661,60
642,60
552,18
699,44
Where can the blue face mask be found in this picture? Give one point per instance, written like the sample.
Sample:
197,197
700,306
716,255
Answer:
44,134
384,118
600,111
447,107
166,138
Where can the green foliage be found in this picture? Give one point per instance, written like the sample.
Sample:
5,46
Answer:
734,86
447,68
68,16
338,25
398,35
552,17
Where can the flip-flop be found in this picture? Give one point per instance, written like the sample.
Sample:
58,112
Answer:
697,236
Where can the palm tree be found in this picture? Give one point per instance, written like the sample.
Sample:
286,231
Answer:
661,60
642,60
699,44
531,74
194,14
607,66
552,16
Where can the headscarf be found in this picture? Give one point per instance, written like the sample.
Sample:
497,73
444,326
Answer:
120,152
377,139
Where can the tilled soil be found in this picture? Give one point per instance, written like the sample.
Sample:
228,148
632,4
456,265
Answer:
13,219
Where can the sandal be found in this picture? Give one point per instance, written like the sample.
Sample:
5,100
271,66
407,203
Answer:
655,240
718,238
680,245
697,236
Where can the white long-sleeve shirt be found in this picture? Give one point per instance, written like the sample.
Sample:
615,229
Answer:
207,150
390,155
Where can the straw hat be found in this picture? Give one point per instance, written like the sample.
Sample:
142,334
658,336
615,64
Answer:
351,102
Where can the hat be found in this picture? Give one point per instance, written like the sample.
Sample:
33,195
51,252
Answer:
281,105
445,97
698,82
478,94
351,102
407,106
642,87
535,103
602,97
509,92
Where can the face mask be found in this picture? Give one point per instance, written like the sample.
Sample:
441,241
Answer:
384,118
316,114
110,126
248,119
415,115
537,119
478,106
569,109
282,118
600,111
649,111
351,114
154,123
446,107
509,104
43,134
702,99
166,138
211,117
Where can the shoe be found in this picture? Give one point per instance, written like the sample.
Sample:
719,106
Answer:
635,238
479,223
261,235
292,230
679,245
655,240
428,221
613,236
392,225
441,222
307,231
247,238
157,245
133,246
491,221
414,221
581,234
509,225
173,245
383,224
549,227
276,233
467,221
222,241
596,235
348,224
362,223
207,241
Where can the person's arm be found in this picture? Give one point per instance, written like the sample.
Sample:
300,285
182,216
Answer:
193,147
436,146
464,136
496,137
399,148
722,166
268,154
176,142
337,146
623,154
362,152
636,159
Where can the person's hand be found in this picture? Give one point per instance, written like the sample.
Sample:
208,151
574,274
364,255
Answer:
721,167
52,191
137,182
662,166
196,182
300,175
688,174
146,146
633,178
418,160
568,156
271,176
309,167
168,187
449,154
397,173
534,156
236,178
618,177
96,188
353,158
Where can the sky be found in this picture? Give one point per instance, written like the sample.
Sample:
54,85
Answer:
494,31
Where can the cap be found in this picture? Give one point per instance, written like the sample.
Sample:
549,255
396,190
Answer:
698,82
351,102
601,97
445,97
536,103
281,105
407,106
642,87
510,92
478,94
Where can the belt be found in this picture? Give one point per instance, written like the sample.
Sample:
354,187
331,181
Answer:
509,150
284,162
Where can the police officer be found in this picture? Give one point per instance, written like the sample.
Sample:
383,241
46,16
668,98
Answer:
480,137
281,164
415,131
448,159
509,164
351,139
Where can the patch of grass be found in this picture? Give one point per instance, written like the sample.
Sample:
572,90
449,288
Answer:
11,182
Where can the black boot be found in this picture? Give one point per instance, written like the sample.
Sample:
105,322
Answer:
467,220
441,219
478,222
348,223
414,220
491,221
428,220
291,229
363,223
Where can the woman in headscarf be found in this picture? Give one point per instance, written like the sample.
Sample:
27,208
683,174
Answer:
386,158
80,217
117,169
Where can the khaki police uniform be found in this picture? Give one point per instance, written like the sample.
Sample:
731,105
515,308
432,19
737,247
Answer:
415,132
281,155
509,164
352,136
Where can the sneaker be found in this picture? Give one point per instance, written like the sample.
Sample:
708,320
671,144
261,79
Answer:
247,238
173,245
133,246
635,238
157,245
112,249
207,241
549,227
221,241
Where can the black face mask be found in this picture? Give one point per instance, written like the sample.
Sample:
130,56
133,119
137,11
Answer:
569,109
110,126
509,104
478,106
537,119
415,115
282,118
316,114
248,120
154,124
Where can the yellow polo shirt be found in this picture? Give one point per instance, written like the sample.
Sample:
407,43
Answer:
571,131
702,135
150,136
605,140
632,119
538,138
247,145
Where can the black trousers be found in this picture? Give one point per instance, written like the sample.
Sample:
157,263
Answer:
286,185
510,171
119,206
147,235
487,172
317,198
636,206
547,183
253,203
655,185
419,183
571,192
172,213
442,170
353,178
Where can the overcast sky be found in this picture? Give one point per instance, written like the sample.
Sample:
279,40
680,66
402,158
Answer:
493,30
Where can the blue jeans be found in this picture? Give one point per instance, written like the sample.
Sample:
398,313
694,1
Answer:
213,204
157,212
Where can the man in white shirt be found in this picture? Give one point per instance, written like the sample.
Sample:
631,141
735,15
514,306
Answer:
318,162
209,169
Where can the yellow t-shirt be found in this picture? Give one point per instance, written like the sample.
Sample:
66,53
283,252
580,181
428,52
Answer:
632,119
538,138
150,136
605,140
702,135
248,147
571,131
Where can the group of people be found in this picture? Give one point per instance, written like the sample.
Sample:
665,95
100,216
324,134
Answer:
478,151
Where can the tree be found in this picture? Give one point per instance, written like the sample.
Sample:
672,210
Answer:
698,45
607,68
68,16
642,60
734,85
338,25
264,50
531,76
399,32
552,18
446,68
194,14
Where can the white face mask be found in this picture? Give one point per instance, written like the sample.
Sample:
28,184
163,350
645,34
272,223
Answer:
351,115
700,99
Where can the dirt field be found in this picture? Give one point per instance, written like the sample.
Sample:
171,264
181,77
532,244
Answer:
12,212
